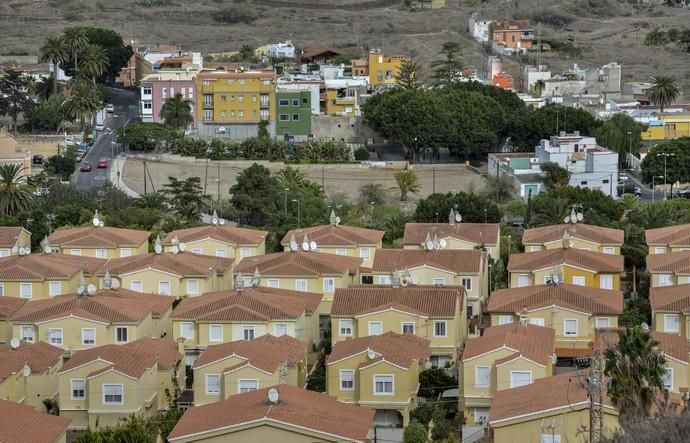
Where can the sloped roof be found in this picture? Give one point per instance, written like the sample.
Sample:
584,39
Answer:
452,260
335,235
10,305
104,237
39,356
477,233
676,262
159,303
266,352
673,345
299,263
579,298
678,235
314,50
670,298
399,349
297,407
38,267
532,341
593,261
227,234
433,301
592,233
9,235
22,423
184,264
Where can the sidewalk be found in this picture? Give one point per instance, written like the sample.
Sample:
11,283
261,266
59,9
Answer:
117,176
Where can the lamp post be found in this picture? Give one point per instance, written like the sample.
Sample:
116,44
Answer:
299,216
285,205
629,149
653,187
373,211
486,217
510,244
666,155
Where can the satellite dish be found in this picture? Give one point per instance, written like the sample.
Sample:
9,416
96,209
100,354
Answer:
566,219
115,283
14,343
312,245
293,245
47,249
371,354
101,224
305,246
91,289
26,370
571,243
273,395
580,217
429,245
404,281
214,221
428,365
556,279
415,280
14,249
443,243
158,248
222,221
458,217
96,221
81,289
175,249
182,247
337,220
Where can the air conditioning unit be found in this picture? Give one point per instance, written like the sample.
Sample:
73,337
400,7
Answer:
534,160
221,129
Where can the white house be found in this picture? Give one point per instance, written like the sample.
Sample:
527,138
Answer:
281,50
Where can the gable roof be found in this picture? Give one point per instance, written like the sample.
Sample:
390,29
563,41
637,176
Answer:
223,233
95,237
675,262
315,50
673,345
183,264
10,305
22,423
477,233
252,304
299,263
592,233
265,352
9,235
678,235
670,298
307,410
399,349
131,359
452,260
335,235
433,301
38,267
532,341
593,261
39,356
579,298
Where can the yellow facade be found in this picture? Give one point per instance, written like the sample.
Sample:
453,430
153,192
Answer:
339,105
106,252
217,248
659,279
153,281
673,125
492,249
569,274
576,243
383,69
31,390
41,290
361,251
263,432
664,322
23,240
310,283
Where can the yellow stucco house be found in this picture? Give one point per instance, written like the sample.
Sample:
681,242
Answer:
383,69
28,373
504,357
579,236
302,271
669,269
338,239
12,238
574,312
100,241
455,235
219,240
436,313
671,309
552,409
668,126
8,306
14,154
100,386
41,276
247,365
566,265
379,372
668,239
438,267
34,426
109,316
281,413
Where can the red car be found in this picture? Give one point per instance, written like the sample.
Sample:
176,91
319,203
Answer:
102,163
85,167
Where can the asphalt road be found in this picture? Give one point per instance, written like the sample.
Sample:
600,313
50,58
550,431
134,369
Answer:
126,109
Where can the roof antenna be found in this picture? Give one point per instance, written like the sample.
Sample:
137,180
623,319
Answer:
451,217
107,280
333,217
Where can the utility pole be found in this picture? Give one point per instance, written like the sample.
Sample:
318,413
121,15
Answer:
666,155
433,180
219,185
594,384
144,177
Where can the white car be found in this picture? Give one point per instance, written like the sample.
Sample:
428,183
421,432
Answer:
110,108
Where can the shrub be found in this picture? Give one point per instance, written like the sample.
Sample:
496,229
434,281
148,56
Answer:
361,154
235,14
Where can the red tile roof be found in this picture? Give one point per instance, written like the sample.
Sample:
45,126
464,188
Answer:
299,263
396,348
184,264
477,233
534,342
579,298
678,235
433,301
39,356
266,352
675,262
222,233
9,235
103,237
670,298
593,261
10,305
452,260
673,345
315,50
39,267
299,408
335,235
21,424
595,234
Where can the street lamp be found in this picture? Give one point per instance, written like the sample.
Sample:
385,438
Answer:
666,155
629,163
285,205
510,245
653,187
373,211
486,217
299,216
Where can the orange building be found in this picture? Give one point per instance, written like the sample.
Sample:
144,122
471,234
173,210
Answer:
503,80
513,35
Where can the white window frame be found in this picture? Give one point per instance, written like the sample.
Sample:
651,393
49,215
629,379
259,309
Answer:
241,390
341,379
476,377
76,252
565,329
341,251
101,253
301,282
246,329
198,251
125,252
445,328
26,294
579,280
505,319
135,283
438,281
273,283
113,403
211,337
669,374
2,289
60,336
220,252
675,317
51,288
512,383
341,327
377,378
365,253
83,337
245,252
520,280
186,324
605,281
609,250
660,250
408,323
24,336
597,320
534,248
466,283
4,252
536,321
384,279
192,290
71,389
208,385
328,284
373,323
665,280
550,438
117,329
160,290
283,326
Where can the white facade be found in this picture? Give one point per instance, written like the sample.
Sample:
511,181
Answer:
479,28
281,50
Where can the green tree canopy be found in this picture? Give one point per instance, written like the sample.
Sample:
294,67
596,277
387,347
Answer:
14,96
664,91
556,176
186,196
118,54
677,166
529,126
620,133
177,112
254,196
145,136
471,206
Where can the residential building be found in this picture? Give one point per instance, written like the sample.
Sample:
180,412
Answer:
218,240
293,114
109,316
12,153
511,36
41,276
241,366
152,54
281,50
438,267
99,241
520,166
319,54
21,423
302,271
436,313
281,413
455,235
156,88
574,312
379,372
12,238
8,306
667,126
181,274
27,373
532,79
429,4
566,265
669,269
232,104
360,68
344,96
525,413
101,386
478,28
383,68
668,239
578,235
338,239
505,356
671,309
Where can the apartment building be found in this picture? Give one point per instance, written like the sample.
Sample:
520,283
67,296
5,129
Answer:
669,269
99,241
218,239
668,239
455,235
158,87
577,236
671,309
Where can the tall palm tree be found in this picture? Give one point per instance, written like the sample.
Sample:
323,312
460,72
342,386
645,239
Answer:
177,112
664,91
95,62
55,51
550,212
15,194
75,41
407,182
83,103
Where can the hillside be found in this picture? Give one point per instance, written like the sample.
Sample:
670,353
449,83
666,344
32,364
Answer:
600,30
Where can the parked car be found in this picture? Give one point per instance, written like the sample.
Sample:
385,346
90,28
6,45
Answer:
102,163
78,157
85,167
110,108
38,159
637,191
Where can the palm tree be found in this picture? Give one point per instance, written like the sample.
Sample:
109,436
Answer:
176,112
539,86
663,92
550,212
292,178
83,103
95,62
152,200
75,41
15,194
54,50
407,182
636,368
246,53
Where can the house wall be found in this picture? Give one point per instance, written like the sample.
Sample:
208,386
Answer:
210,246
592,279
676,279
185,87
109,252
576,244
300,128
178,285
262,433
314,284
350,251
383,69
40,289
658,323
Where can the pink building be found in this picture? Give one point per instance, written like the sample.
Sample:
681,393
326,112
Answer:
157,88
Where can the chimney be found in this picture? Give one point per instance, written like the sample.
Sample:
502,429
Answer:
180,345
524,320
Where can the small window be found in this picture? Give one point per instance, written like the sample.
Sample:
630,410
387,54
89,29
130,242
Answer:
192,286
605,281
212,384
407,328
383,384
671,323
375,328
295,117
136,285
466,282
248,332
125,252
609,250
364,253
328,284
221,253
523,281
665,280
187,330
100,253
301,285
602,322
440,329
280,329
113,394
482,377
245,252
164,287
121,334
215,333
253,98
347,380
550,438
520,378
75,252
55,336
341,251
284,102
583,183
536,321
247,385
534,248
667,379
77,389
660,250
284,117
88,336
240,98
54,288
295,102
27,334
345,328
578,280
438,281
197,251
273,283
384,279
570,327
505,319
223,98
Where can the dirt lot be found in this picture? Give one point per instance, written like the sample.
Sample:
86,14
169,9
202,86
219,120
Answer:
347,179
